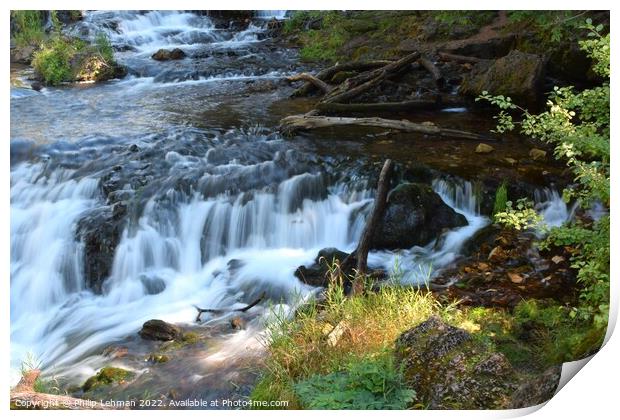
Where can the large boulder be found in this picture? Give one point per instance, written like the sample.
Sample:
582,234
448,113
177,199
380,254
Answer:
450,370
414,215
518,75
165,55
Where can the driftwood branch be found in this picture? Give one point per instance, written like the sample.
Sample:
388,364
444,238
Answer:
311,79
326,74
221,311
433,70
363,82
360,255
294,123
425,104
23,396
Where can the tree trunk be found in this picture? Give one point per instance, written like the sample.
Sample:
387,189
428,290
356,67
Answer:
460,58
361,253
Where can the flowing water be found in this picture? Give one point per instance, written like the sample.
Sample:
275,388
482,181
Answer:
213,207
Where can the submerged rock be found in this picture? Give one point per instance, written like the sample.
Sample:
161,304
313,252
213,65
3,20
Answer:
518,75
415,215
159,330
106,376
484,148
450,370
165,55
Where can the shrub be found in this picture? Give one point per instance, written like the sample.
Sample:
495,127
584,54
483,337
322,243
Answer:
521,217
578,125
53,61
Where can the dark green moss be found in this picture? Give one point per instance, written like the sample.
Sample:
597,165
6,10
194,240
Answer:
106,376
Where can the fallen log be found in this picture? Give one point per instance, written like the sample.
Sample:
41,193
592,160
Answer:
294,123
23,396
311,79
460,58
334,107
326,74
361,252
355,86
433,70
221,311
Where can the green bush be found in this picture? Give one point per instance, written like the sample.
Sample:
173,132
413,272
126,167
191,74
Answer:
53,61
104,47
367,384
520,217
578,125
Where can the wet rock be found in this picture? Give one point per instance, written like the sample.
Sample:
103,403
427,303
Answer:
489,48
22,54
165,55
484,148
518,75
36,85
537,390
100,231
317,273
158,330
157,358
238,323
414,215
89,67
537,154
450,370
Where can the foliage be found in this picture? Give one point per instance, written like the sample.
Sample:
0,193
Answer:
63,59
53,60
556,336
578,125
522,216
28,27
501,198
367,384
44,386
552,26
591,256
104,47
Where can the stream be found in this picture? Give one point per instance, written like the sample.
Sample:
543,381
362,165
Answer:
181,162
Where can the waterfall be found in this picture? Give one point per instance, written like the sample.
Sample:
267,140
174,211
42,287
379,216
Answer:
271,14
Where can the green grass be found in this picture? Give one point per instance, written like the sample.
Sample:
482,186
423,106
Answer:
29,27
300,358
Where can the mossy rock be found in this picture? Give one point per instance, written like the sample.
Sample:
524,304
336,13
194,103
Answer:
107,376
158,358
518,75
450,369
